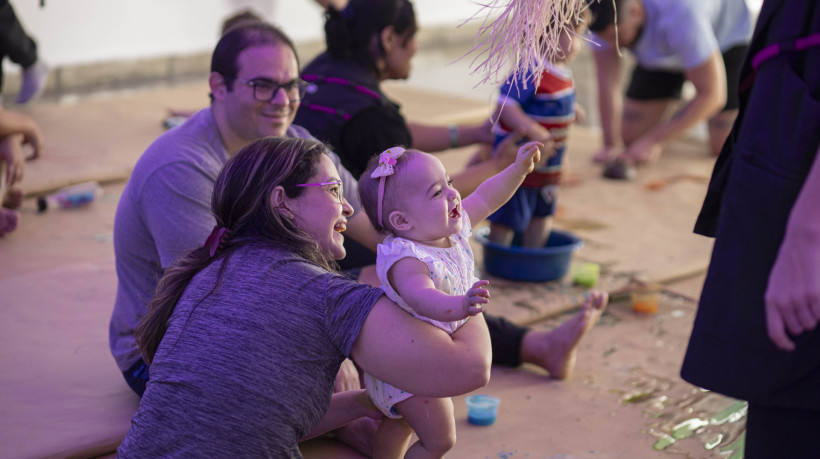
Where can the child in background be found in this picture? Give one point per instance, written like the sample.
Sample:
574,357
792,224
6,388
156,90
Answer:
426,266
543,112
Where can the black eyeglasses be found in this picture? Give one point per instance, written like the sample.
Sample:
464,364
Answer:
265,91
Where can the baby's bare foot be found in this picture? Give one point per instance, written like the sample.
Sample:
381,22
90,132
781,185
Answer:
555,350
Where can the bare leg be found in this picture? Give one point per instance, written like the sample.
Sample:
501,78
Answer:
537,232
555,350
501,234
392,439
433,421
719,127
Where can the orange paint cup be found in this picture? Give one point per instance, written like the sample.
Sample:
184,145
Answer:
645,298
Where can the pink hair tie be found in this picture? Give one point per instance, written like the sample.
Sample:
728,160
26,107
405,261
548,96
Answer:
215,239
387,163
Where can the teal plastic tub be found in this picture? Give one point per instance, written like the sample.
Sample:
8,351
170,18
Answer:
527,264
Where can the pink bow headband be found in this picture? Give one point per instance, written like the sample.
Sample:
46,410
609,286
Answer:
387,163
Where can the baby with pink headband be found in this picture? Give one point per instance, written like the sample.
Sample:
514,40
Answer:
426,266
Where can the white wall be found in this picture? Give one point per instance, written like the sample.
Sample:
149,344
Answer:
86,31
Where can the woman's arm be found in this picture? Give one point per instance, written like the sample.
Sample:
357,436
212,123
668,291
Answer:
513,116
345,407
420,358
432,138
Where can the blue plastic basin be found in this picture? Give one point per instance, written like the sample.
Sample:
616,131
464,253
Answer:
527,264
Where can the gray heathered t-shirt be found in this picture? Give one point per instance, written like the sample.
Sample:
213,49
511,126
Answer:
250,370
680,35
164,211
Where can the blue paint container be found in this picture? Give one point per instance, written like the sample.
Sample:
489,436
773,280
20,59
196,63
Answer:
530,264
482,409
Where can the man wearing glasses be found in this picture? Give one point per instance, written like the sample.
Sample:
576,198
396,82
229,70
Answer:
165,209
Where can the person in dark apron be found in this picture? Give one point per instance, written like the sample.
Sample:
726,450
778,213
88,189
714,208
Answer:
755,336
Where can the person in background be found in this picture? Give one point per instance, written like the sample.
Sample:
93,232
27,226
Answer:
543,106
21,49
369,42
700,41
755,335
17,133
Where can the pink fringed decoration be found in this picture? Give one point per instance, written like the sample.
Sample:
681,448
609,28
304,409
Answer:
518,34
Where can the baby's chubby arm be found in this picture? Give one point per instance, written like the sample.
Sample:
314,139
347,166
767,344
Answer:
499,188
410,277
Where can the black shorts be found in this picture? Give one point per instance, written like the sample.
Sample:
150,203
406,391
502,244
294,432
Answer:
659,84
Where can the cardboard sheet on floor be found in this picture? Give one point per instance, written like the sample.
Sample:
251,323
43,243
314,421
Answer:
60,390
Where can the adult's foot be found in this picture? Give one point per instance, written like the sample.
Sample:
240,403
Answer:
8,220
34,82
555,350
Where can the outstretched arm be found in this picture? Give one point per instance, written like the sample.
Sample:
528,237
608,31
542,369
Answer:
498,189
401,350
793,292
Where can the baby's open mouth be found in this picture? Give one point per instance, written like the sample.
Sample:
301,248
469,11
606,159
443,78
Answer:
456,212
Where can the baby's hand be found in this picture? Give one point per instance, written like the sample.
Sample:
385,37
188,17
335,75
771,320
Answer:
528,156
475,296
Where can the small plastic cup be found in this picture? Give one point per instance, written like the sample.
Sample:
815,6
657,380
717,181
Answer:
586,274
645,299
482,409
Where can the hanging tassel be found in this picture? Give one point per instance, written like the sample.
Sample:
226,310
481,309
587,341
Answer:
521,36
